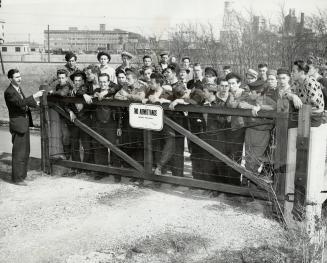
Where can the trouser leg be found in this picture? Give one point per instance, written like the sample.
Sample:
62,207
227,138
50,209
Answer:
65,138
75,144
20,155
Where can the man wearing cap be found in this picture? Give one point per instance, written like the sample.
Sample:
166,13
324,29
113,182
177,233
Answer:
263,68
186,64
163,63
126,58
251,76
227,69
104,59
257,135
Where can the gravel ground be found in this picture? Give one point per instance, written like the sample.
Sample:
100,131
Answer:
77,219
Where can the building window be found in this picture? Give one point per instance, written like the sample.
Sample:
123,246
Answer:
17,49
4,49
33,49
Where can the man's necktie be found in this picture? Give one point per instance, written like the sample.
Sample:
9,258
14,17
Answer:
20,93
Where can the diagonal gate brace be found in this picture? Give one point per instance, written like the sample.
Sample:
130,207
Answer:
100,139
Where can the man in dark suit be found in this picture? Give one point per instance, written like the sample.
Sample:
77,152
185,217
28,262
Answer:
20,119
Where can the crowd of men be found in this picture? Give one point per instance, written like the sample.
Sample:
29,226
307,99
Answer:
246,138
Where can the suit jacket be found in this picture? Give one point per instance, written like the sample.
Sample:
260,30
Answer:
20,117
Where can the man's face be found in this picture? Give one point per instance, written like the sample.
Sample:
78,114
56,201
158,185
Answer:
224,88
147,62
296,74
227,71
125,59
197,71
233,85
16,79
72,62
147,73
78,81
121,78
62,78
210,78
272,81
253,94
164,59
169,75
182,74
154,84
130,79
250,78
186,63
104,60
90,76
103,82
263,72
283,80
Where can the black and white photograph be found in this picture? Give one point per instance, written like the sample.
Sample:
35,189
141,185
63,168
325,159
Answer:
163,131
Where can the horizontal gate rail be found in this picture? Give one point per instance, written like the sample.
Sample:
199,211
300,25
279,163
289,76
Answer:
165,106
99,168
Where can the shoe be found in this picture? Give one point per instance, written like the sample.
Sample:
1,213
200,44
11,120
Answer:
99,176
157,171
133,180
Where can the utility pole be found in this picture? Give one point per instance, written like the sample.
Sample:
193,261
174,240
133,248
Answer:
48,44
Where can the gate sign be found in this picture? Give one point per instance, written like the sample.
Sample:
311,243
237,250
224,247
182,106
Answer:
145,116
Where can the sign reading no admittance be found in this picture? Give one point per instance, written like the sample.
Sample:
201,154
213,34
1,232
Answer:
149,117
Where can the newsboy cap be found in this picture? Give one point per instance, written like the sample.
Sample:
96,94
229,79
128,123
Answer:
127,54
251,72
257,85
210,70
233,75
283,71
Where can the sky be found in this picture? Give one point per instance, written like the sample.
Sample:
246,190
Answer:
27,19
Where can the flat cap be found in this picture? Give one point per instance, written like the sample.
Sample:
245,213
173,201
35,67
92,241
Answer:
163,53
234,75
226,67
256,85
272,72
127,54
251,72
283,71
210,70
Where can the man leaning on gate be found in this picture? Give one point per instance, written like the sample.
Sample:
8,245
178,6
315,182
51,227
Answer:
20,119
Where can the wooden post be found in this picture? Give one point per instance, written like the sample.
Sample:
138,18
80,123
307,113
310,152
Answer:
44,125
281,147
302,155
148,161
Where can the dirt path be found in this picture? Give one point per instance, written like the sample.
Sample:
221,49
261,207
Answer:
77,219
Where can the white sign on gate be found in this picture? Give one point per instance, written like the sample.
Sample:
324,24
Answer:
145,116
